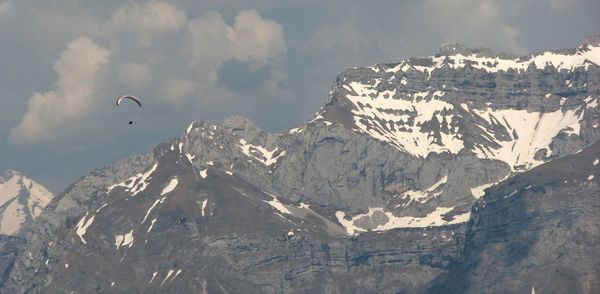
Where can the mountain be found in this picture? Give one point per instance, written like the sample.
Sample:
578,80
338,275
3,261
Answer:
540,229
380,192
21,201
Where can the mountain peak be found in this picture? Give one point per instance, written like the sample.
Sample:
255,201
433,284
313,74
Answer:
234,122
593,40
21,201
9,173
458,48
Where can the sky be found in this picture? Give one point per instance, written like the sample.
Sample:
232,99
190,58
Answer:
64,62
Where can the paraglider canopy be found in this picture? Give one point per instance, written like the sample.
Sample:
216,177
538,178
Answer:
132,98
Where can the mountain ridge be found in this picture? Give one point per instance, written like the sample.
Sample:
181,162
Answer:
316,207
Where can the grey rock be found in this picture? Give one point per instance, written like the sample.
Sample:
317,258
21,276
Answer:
539,229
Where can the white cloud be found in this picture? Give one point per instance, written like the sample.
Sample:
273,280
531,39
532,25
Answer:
256,40
251,39
47,113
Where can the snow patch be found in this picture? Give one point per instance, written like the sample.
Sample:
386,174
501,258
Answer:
427,194
137,183
13,218
100,208
153,276
151,225
9,190
560,61
534,131
190,157
83,225
204,203
275,203
591,102
204,173
167,277
297,130
189,128
260,153
176,274
170,186
124,240
150,210
479,191
433,219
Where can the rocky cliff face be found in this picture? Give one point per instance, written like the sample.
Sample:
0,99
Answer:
176,228
539,229
372,195
10,246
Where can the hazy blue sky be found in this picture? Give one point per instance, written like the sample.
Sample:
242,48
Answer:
63,62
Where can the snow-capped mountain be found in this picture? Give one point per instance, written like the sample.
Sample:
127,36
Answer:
375,192
21,201
495,106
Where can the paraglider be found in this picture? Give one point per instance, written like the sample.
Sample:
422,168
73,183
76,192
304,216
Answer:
130,97
133,98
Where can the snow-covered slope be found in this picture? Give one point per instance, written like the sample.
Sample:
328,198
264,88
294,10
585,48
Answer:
21,201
